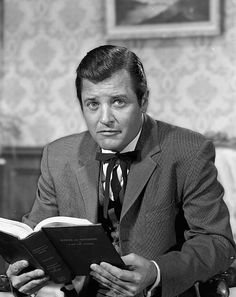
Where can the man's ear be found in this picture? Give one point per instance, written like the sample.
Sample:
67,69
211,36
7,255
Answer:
144,102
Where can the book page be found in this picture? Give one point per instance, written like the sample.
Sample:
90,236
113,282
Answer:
61,221
15,228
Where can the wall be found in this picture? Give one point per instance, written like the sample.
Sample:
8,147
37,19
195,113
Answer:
1,46
192,80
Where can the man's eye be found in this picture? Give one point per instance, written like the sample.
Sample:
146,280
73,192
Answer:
92,105
119,102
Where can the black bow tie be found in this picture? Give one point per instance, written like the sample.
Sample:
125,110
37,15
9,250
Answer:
127,157
114,159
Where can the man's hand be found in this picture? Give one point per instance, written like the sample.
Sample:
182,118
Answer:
26,282
140,274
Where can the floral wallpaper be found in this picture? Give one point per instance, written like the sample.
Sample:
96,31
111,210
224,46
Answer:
1,45
192,80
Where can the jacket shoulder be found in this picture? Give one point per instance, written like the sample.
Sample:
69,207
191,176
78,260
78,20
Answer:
180,137
69,146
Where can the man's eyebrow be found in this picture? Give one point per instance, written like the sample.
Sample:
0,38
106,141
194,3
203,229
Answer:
119,96
90,99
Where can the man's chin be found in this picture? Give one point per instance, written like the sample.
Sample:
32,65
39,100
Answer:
110,146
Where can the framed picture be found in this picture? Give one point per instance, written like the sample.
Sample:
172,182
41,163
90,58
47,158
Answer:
135,19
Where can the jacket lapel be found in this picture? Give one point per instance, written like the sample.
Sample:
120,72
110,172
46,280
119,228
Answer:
87,174
141,171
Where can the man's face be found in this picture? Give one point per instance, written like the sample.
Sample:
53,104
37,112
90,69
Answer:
111,110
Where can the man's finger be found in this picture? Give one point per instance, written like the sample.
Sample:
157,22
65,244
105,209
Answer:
108,271
20,280
113,287
114,278
120,274
17,267
34,285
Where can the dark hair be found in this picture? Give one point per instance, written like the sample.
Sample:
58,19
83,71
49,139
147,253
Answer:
101,62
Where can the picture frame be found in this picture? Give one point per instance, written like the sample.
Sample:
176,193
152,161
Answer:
137,19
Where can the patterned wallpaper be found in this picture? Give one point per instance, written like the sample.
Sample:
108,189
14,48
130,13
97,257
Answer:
1,46
192,80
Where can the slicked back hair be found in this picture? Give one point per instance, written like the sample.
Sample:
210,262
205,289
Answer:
102,62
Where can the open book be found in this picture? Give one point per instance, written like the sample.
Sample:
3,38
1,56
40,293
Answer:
62,246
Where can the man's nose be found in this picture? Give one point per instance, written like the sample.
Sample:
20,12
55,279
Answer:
107,116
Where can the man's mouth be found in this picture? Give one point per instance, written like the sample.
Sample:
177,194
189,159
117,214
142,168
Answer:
109,132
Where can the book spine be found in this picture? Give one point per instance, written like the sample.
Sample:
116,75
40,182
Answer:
46,255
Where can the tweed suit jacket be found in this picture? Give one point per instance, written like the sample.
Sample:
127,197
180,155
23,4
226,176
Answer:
173,211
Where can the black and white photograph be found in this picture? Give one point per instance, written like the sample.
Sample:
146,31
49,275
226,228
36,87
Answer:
117,148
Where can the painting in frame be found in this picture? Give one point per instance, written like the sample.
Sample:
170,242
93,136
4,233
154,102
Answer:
132,19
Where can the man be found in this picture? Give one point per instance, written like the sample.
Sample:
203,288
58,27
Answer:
168,219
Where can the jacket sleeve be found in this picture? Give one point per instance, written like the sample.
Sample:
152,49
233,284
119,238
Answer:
209,247
45,204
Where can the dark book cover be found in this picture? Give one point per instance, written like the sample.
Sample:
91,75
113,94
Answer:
80,246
